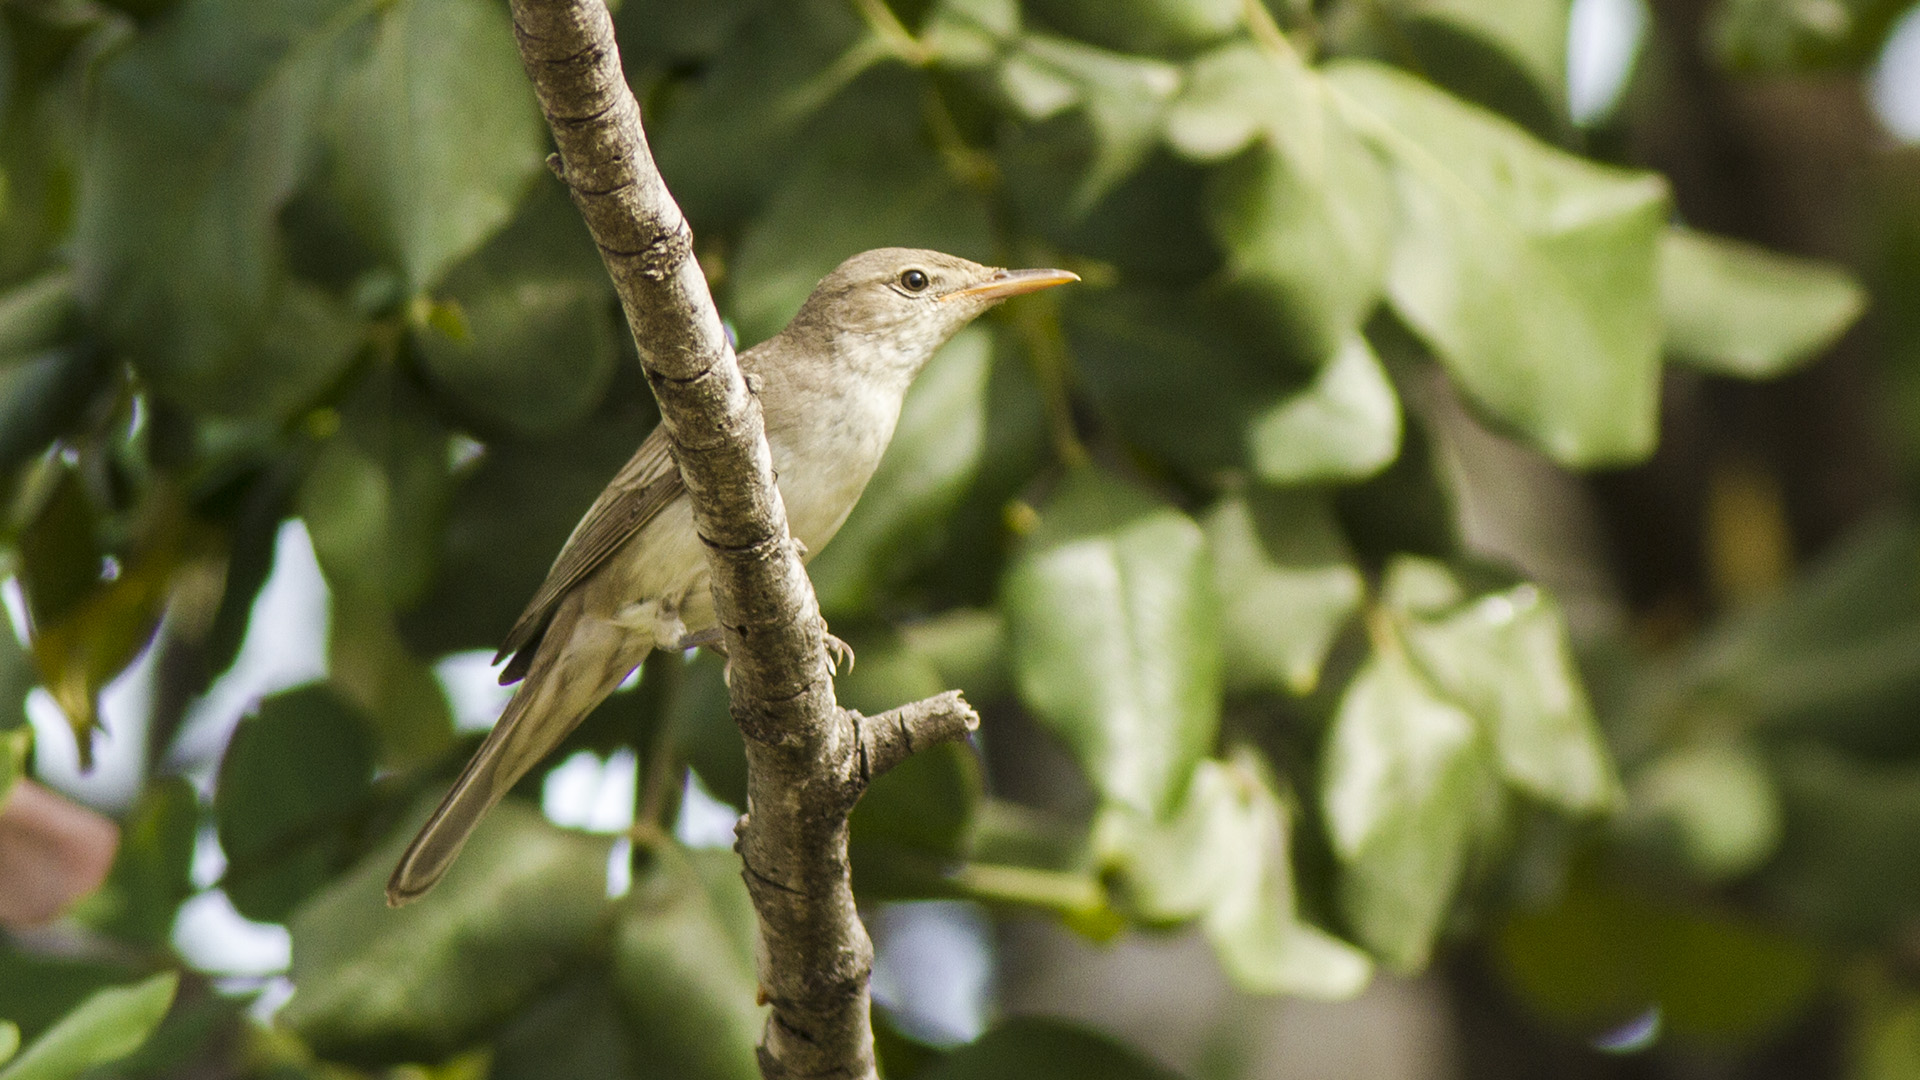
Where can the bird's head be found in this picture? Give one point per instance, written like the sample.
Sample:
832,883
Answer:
896,306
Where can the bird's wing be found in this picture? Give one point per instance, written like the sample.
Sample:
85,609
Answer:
648,482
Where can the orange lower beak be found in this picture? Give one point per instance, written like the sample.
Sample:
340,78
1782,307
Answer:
1005,283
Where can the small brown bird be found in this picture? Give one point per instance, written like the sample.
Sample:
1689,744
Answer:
633,576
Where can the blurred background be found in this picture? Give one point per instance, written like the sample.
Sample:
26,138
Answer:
1443,594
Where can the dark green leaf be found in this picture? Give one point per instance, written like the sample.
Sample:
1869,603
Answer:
378,985
684,964
150,878
1124,99
538,347
202,131
1530,272
290,783
106,1027
1144,26
36,314
1115,637
436,135
1532,33
1030,1048
1286,584
1345,425
1603,955
1739,310
1404,779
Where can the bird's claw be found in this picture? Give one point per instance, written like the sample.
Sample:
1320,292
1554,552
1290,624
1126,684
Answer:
839,652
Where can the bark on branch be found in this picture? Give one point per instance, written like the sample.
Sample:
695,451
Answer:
808,760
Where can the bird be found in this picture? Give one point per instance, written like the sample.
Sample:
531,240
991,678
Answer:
633,575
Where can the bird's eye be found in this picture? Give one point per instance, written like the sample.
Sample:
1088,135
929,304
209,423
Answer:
914,280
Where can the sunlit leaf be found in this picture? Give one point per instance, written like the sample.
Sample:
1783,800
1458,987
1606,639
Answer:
1531,273
1505,659
104,1028
1115,637
1124,99
373,984
1403,780
1307,214
1345,425
1225,858
436,135
1531,33
1739,310
1286,584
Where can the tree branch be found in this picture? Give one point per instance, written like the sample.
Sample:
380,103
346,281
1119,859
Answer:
808,760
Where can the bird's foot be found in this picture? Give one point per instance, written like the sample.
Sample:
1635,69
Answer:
839,652
710,638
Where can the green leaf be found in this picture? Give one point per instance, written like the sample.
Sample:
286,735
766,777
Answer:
13,758
1032,1048
290,784
1307,215
1115,637
1225,857
934,456
1143,26
1403,782
730,139
1124,99
104,1028
683,959
202,130
375,498
1845,865
1603,955
151,874
1287,586
1738,310
1531,33
436,135
539,341
372,668
1505,659
1344,426
1530,272
887,188
415,984
36,314
1786,36
9,1032
1715,801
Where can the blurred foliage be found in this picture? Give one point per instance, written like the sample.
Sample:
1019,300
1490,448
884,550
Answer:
1203,519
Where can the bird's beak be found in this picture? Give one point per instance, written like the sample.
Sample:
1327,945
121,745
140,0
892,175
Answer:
1005,283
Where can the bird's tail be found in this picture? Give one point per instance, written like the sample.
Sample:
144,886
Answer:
523,736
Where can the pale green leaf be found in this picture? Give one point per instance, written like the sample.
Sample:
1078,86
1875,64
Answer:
9,1041
1738,310
1344,426
1115,637
1403,781
1225,857
1505,659
1531,273
523,901
436,133
1287,586
1714,801
104,1028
